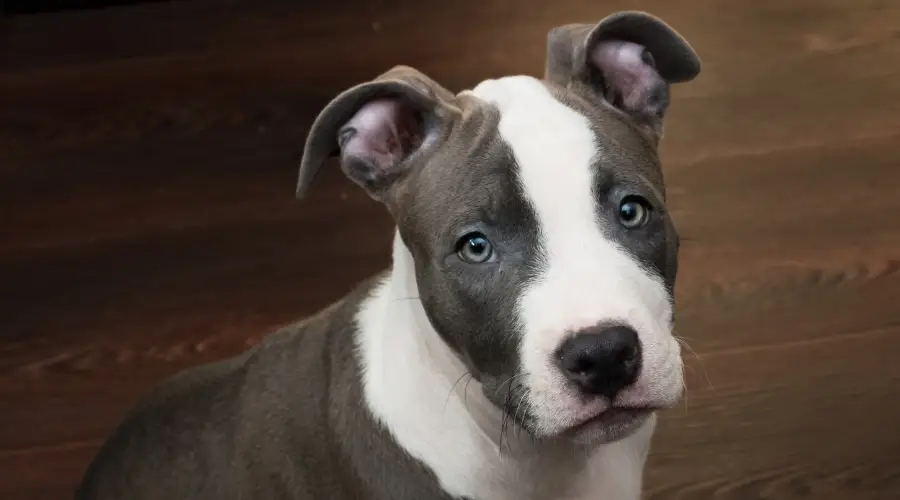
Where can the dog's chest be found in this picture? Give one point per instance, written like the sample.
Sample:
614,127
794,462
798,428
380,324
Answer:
610,472
614,473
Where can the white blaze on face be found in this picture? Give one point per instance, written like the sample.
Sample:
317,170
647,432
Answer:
586,278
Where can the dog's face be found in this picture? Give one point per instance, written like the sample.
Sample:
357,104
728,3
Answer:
535,213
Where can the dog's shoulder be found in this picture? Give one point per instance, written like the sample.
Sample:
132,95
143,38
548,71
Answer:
206,431
158,447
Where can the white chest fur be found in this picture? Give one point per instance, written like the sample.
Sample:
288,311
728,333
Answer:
412,385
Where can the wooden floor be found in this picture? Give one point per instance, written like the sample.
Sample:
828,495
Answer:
147,221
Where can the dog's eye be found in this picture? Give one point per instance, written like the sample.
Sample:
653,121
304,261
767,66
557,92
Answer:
474,248
634,212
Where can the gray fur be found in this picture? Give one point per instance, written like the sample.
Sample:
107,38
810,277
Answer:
281,421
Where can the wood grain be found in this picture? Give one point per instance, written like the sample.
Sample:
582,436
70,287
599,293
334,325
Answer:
147,218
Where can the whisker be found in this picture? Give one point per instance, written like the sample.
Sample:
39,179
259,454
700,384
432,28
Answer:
517,391
401,299
524,392
504,422
466,391
512,386
683,342
505,382
452,388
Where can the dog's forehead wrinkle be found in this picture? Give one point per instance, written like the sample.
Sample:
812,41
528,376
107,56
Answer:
622,142
469,181
471,153
477,192
551,142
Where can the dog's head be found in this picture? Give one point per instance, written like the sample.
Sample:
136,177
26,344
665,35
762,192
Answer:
535,213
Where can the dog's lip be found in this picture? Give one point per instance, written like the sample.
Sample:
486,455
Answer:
615,415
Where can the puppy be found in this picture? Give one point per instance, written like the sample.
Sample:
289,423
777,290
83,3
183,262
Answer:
520,344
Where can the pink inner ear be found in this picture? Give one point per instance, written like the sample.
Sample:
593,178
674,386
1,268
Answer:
383,132
630,77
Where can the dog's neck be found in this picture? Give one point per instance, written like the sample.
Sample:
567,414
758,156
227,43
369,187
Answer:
422,393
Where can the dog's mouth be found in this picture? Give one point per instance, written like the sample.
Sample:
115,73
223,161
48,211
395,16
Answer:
611,424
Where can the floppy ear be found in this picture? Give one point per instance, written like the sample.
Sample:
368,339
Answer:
376,128
629,58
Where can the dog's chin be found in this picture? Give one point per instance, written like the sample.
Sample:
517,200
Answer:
608,426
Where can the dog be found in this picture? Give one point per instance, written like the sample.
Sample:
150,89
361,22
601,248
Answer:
521,343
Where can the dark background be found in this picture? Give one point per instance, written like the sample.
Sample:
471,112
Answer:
147,222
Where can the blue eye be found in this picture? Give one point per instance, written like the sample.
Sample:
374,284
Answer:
474,248
634,212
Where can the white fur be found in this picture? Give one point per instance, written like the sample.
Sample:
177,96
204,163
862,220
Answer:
588,278
411,384
412,381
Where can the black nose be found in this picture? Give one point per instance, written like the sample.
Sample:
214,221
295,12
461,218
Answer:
602,361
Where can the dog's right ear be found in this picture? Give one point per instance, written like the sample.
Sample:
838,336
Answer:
629,58
377,128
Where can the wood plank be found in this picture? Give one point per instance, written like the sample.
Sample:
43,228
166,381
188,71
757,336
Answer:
811,419
164,90
44,474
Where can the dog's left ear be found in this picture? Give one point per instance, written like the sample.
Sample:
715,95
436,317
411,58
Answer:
629,58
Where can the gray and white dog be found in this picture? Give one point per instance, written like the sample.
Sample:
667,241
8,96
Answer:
521,343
